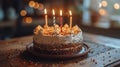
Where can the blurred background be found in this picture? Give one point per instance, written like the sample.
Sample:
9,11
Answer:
18,18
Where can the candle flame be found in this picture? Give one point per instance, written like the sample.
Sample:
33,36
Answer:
45,11
53,12
60,12
70,12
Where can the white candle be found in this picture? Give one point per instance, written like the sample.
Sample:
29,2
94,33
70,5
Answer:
70,18
61,19
46,20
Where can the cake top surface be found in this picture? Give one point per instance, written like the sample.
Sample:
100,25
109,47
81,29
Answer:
56,30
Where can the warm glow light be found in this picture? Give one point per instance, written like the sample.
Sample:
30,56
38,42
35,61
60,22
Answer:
70,12
104,3
60,12
36,5
100,5
45,11
102,12
23,12
28,19
116,6
53,11
31,3
41,6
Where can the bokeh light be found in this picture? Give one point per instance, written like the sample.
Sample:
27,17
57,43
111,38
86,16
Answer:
41,6
100,5
31,3
102,12
116,6
23,12
104,3
27,19
36,5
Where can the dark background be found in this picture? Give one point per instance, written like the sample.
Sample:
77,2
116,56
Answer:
15,23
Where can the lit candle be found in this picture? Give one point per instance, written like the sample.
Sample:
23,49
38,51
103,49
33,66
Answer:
53,11
61,19
46,20
70,18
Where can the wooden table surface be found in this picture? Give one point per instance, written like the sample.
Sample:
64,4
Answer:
102,47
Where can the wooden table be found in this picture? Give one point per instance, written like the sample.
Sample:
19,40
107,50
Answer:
104,52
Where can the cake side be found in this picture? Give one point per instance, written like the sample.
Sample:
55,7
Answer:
59,51
58,39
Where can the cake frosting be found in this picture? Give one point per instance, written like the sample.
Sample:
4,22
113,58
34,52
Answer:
56,38
53,39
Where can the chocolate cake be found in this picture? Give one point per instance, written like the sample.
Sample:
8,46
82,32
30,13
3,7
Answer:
57,41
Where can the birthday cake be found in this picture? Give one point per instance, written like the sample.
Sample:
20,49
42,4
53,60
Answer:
54,40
